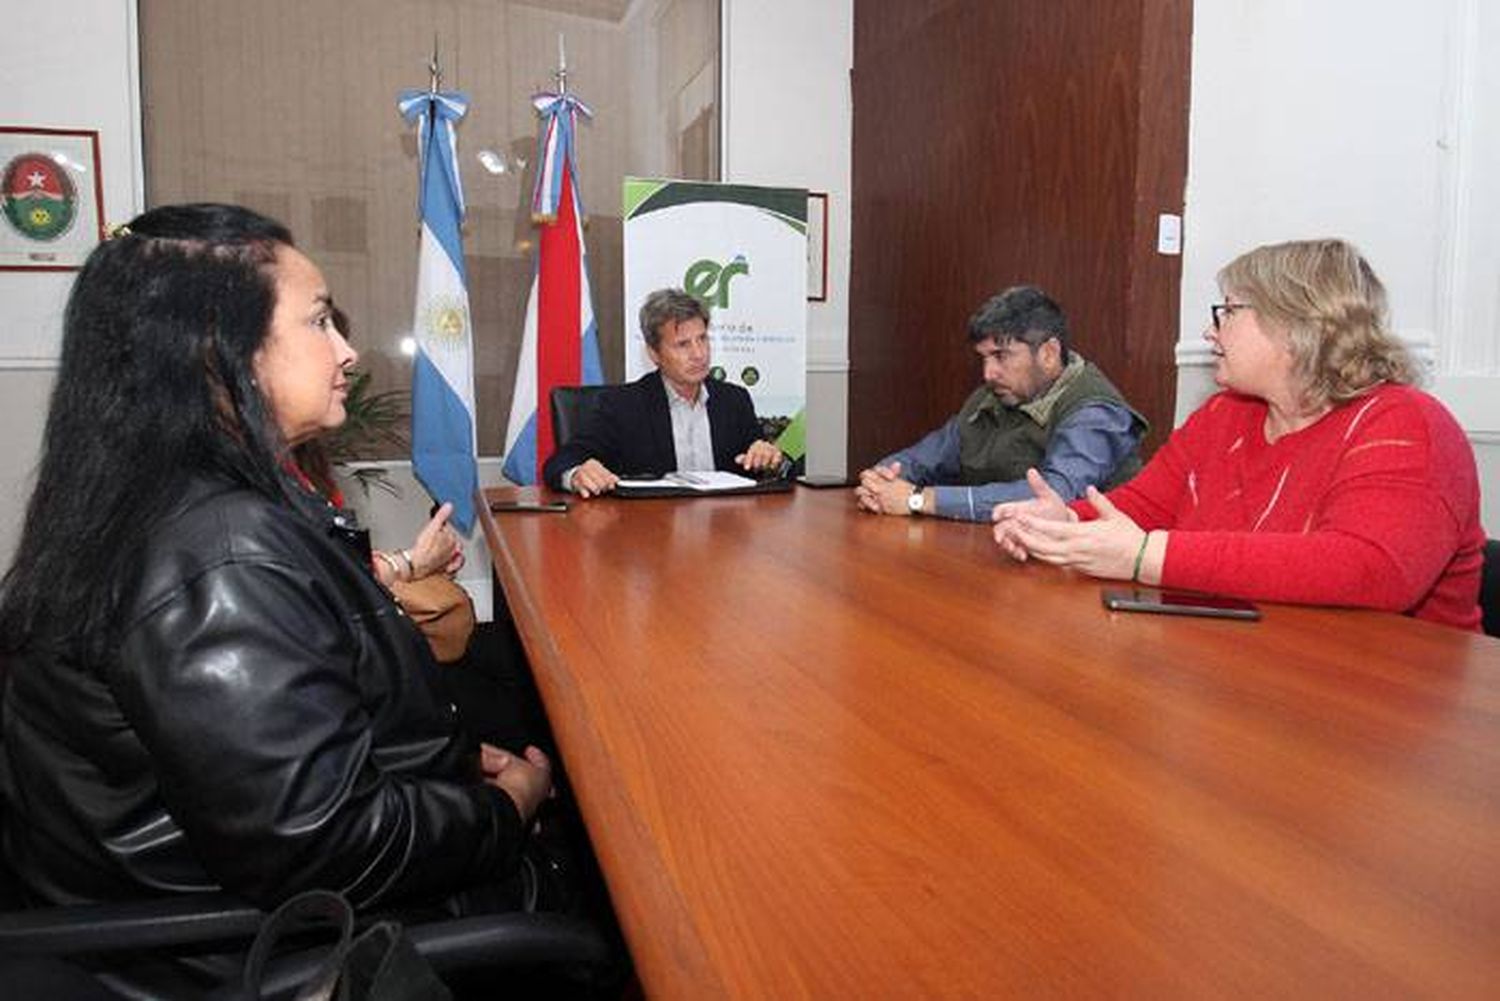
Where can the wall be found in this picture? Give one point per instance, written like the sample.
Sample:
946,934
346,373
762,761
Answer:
1394,144
72,67
786,121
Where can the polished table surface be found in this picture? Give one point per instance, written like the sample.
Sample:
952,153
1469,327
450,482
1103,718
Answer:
831,755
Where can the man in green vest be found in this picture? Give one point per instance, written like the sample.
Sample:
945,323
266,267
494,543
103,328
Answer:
1041,406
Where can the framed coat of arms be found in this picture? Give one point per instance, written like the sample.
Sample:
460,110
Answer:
51,198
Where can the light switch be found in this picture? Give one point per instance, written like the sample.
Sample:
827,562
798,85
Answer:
1169,234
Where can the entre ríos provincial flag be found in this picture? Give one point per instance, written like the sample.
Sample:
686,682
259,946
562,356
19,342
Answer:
442,382
560,342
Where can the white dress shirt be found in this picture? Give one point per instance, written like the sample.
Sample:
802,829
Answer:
692,438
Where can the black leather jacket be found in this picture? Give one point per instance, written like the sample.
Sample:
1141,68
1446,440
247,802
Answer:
269,724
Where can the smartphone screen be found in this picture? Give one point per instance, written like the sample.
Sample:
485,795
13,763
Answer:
1151,599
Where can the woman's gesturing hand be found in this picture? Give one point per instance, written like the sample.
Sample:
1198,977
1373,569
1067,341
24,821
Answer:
437,548
1045,505
1112,545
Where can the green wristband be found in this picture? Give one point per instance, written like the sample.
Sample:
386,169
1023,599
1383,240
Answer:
1140,554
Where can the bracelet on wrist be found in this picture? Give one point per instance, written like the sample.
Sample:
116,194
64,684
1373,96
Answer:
1140,555
389,561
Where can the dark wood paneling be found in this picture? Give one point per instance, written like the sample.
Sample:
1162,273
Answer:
999,142
1148,367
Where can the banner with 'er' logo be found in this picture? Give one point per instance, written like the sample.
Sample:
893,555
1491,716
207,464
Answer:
742,250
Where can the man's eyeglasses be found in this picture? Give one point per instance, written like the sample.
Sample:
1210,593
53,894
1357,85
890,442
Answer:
1219,310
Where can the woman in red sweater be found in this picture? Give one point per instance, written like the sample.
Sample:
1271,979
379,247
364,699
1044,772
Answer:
1319,475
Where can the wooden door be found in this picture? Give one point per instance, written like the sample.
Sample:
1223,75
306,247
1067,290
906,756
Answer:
1000,142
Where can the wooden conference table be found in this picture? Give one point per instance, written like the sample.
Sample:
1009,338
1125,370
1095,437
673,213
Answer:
824,754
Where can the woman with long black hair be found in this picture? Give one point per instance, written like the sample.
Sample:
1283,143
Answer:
204,684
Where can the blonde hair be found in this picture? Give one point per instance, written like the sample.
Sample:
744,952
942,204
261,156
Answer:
1325,296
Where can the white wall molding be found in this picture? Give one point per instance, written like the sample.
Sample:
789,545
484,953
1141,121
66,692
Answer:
1474,401
133,89
1461,347
726,91
1194,354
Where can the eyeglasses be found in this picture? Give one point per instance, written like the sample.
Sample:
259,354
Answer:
1219,310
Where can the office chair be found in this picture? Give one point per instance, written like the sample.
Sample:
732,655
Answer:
571,406
1489,588
45,952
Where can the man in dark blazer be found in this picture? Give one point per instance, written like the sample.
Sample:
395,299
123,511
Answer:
672,419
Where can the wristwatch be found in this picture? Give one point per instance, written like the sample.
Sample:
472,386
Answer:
914,500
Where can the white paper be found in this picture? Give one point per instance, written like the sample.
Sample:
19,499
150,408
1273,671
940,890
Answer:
704,481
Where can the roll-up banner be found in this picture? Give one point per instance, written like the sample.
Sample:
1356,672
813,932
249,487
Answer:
742,250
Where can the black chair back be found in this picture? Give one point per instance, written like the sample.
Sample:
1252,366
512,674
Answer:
74,952
1489,588
571,406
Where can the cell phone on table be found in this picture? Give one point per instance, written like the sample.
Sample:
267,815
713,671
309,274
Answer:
560,507
819,481
1169,602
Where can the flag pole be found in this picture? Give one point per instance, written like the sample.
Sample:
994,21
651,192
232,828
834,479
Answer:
435,84
444,430
560,338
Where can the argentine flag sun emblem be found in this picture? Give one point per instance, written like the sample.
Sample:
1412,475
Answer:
445,321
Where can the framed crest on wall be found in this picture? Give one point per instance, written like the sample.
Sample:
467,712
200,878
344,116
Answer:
51,198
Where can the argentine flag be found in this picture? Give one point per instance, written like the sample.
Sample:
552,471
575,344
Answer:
442,386
560,341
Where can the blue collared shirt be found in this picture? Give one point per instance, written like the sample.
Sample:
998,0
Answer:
1084,449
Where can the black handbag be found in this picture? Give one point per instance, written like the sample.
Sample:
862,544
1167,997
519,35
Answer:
379,964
